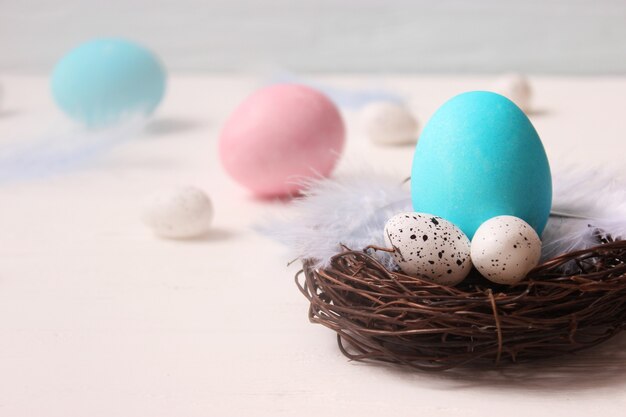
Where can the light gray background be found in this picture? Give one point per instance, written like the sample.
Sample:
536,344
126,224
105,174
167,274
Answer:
557,36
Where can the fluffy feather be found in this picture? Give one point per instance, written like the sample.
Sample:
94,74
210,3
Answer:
584,204
353,210
63,150
343,97
350,211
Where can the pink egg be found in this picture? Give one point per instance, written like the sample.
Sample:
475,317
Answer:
279,136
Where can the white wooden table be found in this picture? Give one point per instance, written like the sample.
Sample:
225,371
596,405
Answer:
100,318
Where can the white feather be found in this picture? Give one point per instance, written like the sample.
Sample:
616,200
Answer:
63,149
590,202
350,211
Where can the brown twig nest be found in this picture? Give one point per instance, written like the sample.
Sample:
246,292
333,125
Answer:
566,304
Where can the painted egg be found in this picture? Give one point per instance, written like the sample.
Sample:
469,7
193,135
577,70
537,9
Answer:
105,80
388,123
479,157
280,136
180,213
430,246
505,248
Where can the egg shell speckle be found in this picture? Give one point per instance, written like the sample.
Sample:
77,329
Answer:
505,248
430,246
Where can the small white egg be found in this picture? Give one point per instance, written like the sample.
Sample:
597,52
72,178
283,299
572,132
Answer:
430,246
388,123
516,88
180,213
505,249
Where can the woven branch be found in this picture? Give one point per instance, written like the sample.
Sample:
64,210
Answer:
382,315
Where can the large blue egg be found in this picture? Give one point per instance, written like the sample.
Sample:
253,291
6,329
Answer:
479,157
105,80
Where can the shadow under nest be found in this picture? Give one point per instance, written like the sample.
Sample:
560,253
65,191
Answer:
566,304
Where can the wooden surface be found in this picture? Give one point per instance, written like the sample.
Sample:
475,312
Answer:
100,318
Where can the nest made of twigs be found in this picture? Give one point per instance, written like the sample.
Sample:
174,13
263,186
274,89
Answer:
566,304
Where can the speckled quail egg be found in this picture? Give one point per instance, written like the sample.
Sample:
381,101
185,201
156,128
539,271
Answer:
429,246
505,248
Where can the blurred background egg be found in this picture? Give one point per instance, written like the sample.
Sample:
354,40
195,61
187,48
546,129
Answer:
279,136
105,80
179,213
388,123
429,246
516,88
480,157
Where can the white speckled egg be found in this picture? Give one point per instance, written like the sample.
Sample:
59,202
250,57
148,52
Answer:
388,123
181,213
430,246
505,249
516,88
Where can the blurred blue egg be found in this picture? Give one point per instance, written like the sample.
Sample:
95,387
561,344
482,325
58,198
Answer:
479,157
105,80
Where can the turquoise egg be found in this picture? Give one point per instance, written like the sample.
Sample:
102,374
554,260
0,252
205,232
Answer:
105,80
479,157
